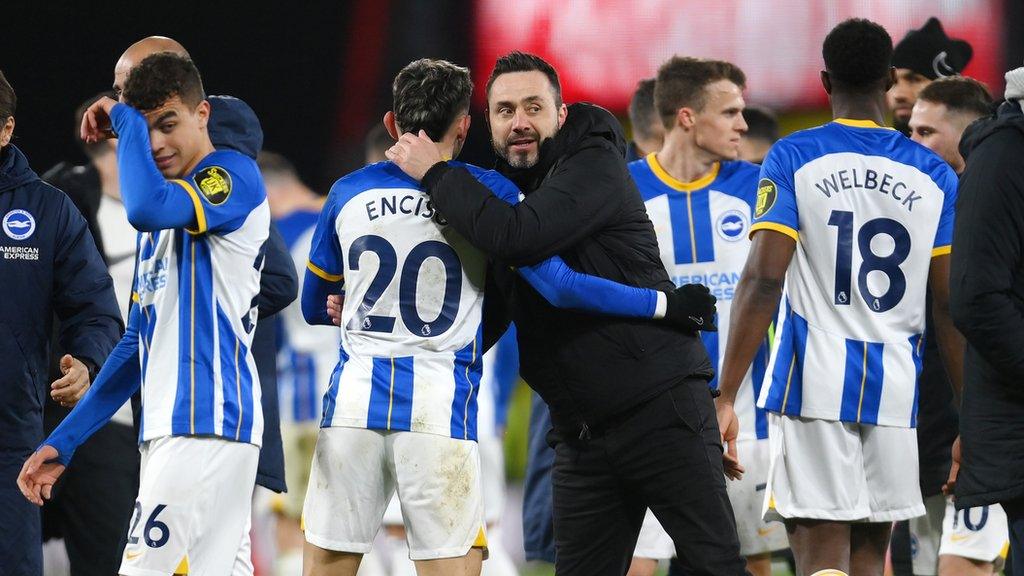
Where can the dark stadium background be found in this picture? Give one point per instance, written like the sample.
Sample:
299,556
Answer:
318,73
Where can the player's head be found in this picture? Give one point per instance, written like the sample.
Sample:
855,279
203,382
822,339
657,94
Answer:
168,90
281,181
138,51
858,60
524,107
943,110
433,96
377,141
8,103
762,132
922,56
648,131
701,101
94,151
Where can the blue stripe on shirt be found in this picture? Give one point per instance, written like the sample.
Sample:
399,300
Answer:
853,380
862,383
400,417
679,219
231,386
873,383
202,350
467,374
331,395
248,406
711,344
786,393
380,394
700,204
181,411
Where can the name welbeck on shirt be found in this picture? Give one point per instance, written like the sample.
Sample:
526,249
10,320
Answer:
416,204
867,179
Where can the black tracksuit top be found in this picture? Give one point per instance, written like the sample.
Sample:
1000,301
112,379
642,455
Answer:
584,207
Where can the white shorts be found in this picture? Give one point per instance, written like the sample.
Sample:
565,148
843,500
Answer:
356,471
195,496
747,496
826,470
979,533
492,474
654,542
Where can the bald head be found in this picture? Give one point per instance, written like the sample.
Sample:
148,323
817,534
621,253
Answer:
138,51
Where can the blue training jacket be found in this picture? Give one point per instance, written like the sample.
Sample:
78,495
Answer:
48,264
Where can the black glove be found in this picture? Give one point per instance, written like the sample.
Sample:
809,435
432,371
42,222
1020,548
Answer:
691,308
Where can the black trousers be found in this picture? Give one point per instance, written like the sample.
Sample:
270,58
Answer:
93,501
665,455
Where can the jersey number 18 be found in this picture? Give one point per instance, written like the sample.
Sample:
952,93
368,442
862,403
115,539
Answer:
870,261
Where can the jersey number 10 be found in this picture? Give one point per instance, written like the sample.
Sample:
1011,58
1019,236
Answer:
407,287
870,262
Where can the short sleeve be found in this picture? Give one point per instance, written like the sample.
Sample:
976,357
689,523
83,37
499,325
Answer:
224,190
325,258
775,206
944,233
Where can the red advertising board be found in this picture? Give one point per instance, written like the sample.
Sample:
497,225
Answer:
601,48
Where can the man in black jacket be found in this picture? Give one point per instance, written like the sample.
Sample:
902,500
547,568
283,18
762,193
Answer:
987,303
632,413
50,266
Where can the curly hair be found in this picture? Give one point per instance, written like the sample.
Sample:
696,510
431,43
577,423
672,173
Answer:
160,77
858,55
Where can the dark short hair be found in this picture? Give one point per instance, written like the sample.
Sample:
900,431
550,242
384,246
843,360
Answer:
8,99
641,107
91,149
959,94
858,55
272,164
160,77
681,82
377,139
525,62
429,95
761,123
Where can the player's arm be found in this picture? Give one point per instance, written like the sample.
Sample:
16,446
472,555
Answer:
580,197
754,305
753,308
151,201
756,300
951,342
690,308
114,385
316,287
323,276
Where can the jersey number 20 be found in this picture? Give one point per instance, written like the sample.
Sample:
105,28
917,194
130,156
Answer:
363,320
870,262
